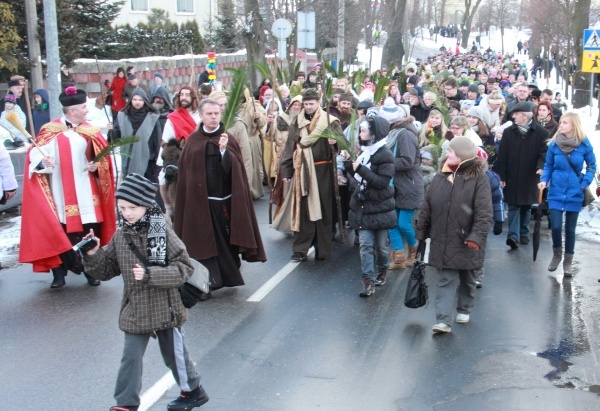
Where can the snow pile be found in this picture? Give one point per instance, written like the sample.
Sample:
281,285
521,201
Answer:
9,241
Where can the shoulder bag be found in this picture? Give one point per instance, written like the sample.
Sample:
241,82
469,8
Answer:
194,289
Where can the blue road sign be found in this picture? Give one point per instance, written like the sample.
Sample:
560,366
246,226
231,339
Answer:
591,39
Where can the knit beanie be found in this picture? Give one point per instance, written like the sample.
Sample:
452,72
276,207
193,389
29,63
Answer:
10,98
463,147
466,104
159,75
391,112
473,88
475,112
137,190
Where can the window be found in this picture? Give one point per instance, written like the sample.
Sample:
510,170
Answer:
185,6
139,5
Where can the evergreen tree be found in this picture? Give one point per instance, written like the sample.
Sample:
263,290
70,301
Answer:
191,32
94,19
9,38
227,31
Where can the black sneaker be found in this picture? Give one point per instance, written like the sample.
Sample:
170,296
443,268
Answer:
381,277
524,240
299,257
188,400
512,243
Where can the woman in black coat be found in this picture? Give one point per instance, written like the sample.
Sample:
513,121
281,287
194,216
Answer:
372,206
456,215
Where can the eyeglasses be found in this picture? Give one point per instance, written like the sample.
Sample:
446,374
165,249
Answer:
455,128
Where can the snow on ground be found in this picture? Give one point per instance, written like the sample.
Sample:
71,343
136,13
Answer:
9,241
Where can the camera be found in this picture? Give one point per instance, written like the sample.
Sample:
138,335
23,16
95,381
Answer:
85,245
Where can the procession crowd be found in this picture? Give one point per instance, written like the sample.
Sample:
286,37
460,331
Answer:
434,151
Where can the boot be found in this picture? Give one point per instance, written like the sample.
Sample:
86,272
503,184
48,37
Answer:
556,258
368,287
92,281
59,278
398,260
412,253
381,276
567,269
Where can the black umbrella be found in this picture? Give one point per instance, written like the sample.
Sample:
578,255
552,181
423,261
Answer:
539,212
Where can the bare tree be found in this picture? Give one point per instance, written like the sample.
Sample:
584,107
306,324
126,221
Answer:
504,14
470,13
393,51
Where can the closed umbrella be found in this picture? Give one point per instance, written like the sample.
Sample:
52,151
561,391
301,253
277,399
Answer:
539,212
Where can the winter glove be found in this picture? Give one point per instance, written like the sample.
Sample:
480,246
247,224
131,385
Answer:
498,228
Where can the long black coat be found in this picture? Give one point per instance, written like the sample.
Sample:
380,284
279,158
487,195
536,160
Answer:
457,208
519,157
373,207
408,180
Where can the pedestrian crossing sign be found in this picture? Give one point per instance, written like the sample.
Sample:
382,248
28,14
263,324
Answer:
591,39
591,62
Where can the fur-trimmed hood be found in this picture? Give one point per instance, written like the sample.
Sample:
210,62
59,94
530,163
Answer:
470,168
407,123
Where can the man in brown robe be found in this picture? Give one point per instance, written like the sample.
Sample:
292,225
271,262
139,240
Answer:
215,229
307,159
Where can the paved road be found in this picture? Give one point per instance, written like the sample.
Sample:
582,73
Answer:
312,343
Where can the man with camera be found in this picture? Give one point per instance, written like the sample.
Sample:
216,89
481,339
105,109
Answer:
66,192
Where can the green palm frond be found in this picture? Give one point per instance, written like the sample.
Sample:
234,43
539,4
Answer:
353,134
265,71
357,80
332,71
341,140
295,89
234,100
328,88
380,89
118,143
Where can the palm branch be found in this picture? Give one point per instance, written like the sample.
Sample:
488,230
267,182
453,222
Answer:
295,89
234,100
340,140
357,80
353,134
112,147
380,89
265,71
328,90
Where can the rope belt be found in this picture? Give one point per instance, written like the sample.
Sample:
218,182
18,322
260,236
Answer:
318,163
220,199
171,166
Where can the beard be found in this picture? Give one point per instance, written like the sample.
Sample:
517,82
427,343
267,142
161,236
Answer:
185,103
158,106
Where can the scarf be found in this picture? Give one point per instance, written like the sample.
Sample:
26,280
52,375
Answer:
544,121
137,117
365,159
156,244
525,128
566,144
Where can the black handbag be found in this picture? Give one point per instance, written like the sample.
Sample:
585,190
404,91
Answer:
416,290
194,290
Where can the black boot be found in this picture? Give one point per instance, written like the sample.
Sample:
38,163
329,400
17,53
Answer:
59,278
91,280
368,287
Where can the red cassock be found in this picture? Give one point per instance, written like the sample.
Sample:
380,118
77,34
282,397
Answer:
42,235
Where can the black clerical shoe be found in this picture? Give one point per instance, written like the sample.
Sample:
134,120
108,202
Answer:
58,282
92,281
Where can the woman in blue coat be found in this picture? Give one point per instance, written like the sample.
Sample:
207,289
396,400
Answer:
568,150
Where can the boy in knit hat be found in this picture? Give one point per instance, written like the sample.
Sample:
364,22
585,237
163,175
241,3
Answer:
153,263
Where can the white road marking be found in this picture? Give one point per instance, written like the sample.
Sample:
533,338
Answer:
155,393
267,287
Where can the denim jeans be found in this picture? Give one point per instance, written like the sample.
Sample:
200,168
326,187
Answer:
374,251
519,217
556,219
403,231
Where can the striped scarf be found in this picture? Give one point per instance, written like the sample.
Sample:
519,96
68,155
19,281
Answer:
156,244
525,128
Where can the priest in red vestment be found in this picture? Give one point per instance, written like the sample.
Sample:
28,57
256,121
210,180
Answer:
66,193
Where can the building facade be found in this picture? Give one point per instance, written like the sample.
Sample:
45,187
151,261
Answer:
180,11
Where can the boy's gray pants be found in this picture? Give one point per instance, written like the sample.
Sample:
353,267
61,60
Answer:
175,356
